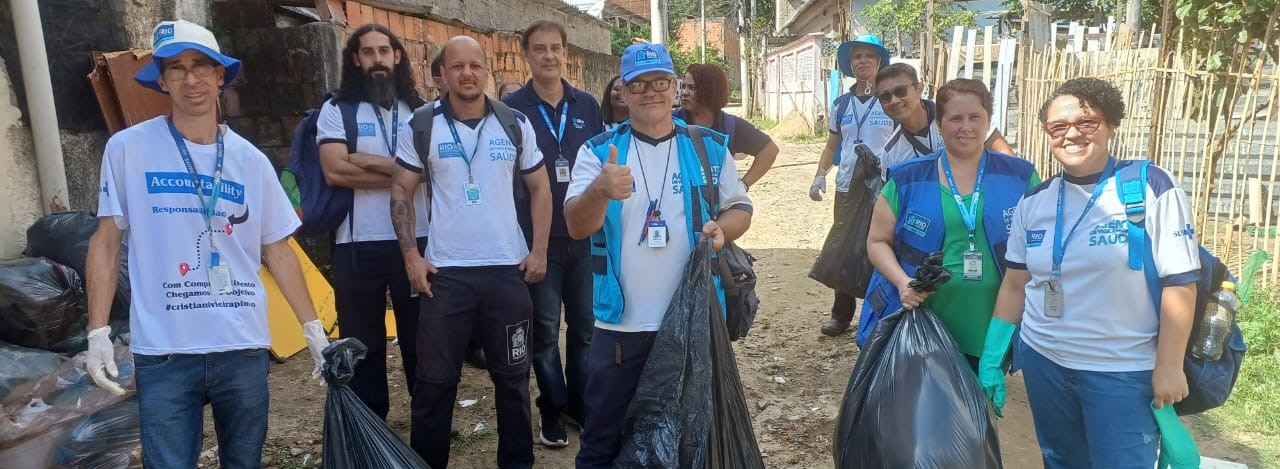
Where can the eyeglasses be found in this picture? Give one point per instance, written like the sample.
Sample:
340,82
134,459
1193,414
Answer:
177,73
658,85
900,91
1085,125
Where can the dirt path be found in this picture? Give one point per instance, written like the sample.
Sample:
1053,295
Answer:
794,417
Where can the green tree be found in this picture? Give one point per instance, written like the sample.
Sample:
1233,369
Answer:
902,20
683,59
622,36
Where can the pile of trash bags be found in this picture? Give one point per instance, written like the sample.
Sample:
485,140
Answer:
354,436
52,415
843,265
913,400
689,409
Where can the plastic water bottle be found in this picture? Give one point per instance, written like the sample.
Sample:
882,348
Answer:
1216,323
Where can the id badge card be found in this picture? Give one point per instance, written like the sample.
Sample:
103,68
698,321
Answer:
219,276
472,192
657,234
973,265
562,170
1053,298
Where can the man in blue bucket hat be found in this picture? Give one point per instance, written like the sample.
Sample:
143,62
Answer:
202,210
857,118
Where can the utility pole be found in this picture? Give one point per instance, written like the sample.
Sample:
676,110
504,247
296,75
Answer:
744,81
1133,16
927,55
657,21
702,5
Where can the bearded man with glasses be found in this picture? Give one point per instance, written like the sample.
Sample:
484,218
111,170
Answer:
632,193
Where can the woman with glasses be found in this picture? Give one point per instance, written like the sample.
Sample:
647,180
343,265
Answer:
1095,350
614,103
917,133
704,94
956,201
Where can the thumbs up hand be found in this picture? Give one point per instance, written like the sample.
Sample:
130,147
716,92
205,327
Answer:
614,182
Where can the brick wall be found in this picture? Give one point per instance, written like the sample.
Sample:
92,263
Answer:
639,7
720,36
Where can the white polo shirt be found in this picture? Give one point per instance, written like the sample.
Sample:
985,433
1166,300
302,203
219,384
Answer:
650,276
1109,322
369,212
486,233
147,189
858,121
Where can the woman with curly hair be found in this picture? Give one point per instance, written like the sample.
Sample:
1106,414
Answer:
703,96
1097,352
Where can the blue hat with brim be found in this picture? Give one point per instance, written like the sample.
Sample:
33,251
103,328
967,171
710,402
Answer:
172,38
844,53
639,59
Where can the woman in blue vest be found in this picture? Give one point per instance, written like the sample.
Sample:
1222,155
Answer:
957,201
1096,350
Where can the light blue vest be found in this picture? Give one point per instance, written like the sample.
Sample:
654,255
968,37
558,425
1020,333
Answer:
606,243
920,229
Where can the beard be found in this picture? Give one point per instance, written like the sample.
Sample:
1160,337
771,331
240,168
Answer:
381,90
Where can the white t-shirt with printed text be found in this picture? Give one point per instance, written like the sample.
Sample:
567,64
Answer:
650,276
370,210
858,122
147,189
484,234
1109,323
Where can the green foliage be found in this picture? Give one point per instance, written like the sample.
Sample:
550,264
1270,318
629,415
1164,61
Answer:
762,123
1225,30
1254,407
622,36
683,59
897,21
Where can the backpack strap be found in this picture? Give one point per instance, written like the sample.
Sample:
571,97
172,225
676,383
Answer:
711,191
348,111
507,118
421,122
1132,191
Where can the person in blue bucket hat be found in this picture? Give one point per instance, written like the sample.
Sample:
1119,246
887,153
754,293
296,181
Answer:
201,211
857,118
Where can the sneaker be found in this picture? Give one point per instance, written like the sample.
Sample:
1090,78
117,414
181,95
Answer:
833,327
553,434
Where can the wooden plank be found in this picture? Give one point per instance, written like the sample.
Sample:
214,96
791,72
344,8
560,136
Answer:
989,58
100,80
137,104
953,60
970,49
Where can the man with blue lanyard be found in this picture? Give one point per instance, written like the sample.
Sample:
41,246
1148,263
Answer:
201,210
635,193
378,82
563,117
857,118
477,263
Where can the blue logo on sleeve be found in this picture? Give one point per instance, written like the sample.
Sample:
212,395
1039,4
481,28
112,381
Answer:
1035,238
163,33
365,129
916,223
449,150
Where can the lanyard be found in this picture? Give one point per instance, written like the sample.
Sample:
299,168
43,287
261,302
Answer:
216,190
564,116
654,212
458,140
1060,244
853,107
395,122
968,214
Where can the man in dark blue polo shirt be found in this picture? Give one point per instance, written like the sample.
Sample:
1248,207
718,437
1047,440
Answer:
564,118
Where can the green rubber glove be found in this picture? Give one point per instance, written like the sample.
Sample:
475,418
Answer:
1177,448
990,372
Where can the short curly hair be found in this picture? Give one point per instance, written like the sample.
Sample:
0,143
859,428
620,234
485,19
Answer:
1096,95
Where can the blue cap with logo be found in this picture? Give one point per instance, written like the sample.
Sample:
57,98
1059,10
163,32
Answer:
639,59
171,38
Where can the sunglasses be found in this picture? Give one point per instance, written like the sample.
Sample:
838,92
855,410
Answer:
900,91
1085,125
658,85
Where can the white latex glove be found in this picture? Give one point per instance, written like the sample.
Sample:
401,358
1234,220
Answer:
316,342
818,188
102,356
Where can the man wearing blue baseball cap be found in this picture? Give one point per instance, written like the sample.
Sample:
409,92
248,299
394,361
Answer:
202,211
640,179
858,118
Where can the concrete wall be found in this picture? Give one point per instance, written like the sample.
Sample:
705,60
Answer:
583,30
794,80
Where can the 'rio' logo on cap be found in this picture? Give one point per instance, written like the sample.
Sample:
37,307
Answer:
647,56
163,33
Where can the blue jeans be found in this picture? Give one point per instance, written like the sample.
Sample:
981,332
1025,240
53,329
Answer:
1088,419
568,282
172,392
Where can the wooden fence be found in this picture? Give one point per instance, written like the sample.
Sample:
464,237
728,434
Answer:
1228,162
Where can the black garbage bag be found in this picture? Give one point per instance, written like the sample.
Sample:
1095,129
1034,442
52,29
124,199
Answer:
108,439
20,364
354,436
689,410
64,238
843,264
913,400
42,306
